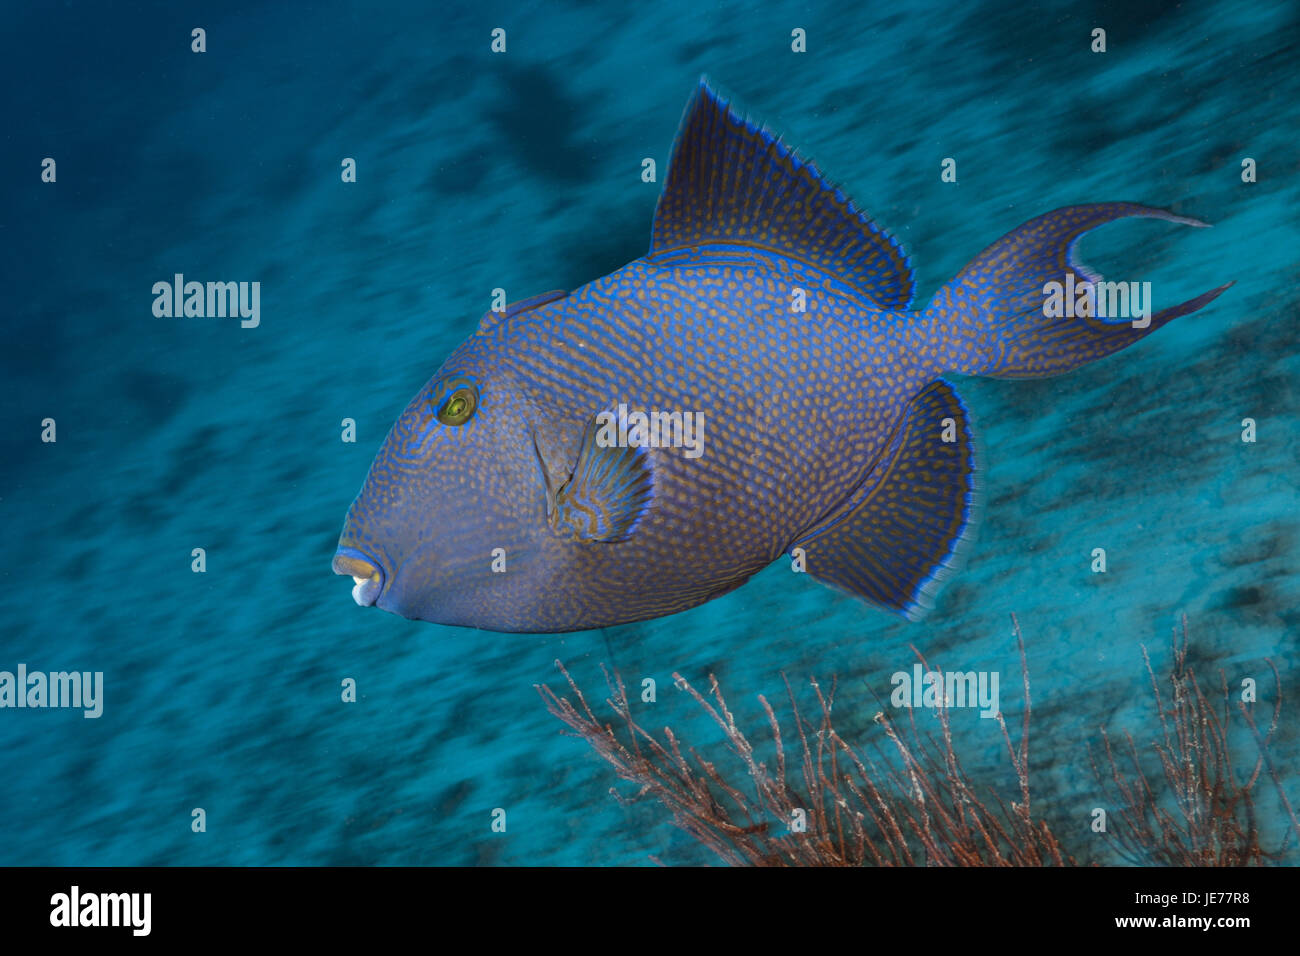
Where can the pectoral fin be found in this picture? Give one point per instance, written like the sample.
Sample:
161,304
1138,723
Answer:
610,491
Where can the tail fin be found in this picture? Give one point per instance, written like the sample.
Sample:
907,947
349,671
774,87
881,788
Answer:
996,317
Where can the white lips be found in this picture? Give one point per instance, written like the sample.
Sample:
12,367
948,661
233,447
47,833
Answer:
356,590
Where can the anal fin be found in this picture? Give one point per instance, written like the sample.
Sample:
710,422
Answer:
899,536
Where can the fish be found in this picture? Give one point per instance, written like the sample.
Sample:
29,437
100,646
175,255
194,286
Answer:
541,481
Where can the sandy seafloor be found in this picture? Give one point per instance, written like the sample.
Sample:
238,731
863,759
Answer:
522,171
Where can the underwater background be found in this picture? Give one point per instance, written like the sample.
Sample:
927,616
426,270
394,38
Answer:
523,170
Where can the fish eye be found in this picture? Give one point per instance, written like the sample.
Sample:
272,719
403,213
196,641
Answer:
459,406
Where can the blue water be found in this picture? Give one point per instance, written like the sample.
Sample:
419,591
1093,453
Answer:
522,170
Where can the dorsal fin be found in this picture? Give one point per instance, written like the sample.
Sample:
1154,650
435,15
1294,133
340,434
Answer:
492,319
730,180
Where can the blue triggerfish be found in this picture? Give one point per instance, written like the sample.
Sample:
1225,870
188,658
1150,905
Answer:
757,385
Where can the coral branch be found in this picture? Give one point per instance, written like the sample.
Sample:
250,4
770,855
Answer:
918,807
908,801
1213,818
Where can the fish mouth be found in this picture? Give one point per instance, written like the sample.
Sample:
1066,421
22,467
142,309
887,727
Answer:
364,571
